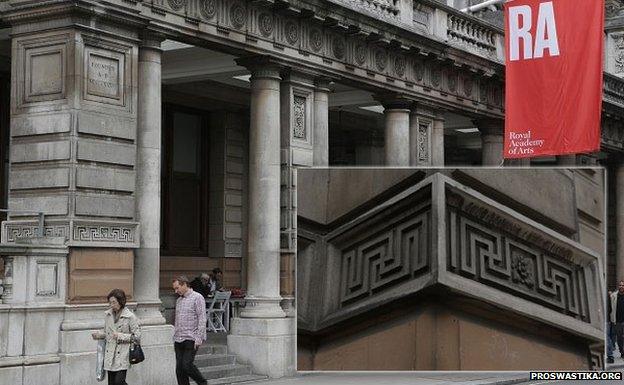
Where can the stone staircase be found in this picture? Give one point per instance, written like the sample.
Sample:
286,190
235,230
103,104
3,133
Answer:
219,367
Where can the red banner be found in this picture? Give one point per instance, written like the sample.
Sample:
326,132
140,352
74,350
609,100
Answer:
553,94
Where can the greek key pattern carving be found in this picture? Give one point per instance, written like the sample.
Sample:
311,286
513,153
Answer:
385,259
90,233
15,232
495,258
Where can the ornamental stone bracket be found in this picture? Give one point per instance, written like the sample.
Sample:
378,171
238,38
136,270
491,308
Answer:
442,232
76,232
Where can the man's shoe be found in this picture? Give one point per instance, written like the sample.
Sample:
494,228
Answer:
610,360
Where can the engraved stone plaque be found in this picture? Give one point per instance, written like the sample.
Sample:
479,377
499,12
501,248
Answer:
103,76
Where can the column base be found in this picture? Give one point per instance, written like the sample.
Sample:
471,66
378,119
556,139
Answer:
262,307
149,313
268,345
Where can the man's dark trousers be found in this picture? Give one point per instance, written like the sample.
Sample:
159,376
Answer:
185,368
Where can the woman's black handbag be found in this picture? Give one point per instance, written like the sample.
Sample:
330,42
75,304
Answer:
136,353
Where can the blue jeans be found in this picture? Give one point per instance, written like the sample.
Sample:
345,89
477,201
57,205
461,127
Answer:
610,344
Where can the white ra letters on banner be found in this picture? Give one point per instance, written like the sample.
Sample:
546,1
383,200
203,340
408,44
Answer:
545,35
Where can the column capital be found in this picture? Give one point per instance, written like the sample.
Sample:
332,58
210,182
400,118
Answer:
262,66
322,83
394,101
151,40
490,126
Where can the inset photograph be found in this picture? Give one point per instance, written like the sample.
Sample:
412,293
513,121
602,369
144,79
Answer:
451,269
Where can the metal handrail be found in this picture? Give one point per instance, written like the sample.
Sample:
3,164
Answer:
40,215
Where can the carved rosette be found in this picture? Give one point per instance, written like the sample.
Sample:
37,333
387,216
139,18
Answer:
399,66
208,8
338,47
467,86
360,54
292,32
419,71
381,59
483,92
436,77
316,39
265,24
299,109
177,5
238,15
452,81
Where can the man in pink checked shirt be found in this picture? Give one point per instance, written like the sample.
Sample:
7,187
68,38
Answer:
189,331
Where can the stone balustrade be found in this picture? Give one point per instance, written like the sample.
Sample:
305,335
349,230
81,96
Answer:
472,35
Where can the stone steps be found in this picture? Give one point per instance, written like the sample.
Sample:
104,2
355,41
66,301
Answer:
219,367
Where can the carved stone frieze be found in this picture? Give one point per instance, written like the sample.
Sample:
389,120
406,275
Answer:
385,259
292,32
381,59
399,66
618,54
177,5
316,39
238,15
299,112
208,8
265,23
338,48
76,233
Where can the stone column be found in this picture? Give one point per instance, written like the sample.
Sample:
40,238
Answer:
492,131
147,256
263,336
397,130
321,122
619,221
437,140
264,191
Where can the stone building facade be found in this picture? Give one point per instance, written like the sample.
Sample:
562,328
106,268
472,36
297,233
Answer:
160,137
455,269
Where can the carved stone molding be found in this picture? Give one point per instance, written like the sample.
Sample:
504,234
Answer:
76,232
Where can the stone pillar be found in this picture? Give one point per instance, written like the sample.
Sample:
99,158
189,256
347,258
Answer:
264,191
421,127
437,140
492,131
147,256
263,337
397,130
619,221
321,122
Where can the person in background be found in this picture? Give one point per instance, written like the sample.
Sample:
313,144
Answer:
203,285
610,329
617,315
217,276
120,329
189,331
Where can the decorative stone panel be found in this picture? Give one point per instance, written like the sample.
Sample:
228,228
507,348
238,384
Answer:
441,233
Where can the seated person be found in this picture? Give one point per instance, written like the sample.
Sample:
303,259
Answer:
203,285
217,276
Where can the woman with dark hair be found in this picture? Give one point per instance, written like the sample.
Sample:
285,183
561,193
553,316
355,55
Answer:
120,329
